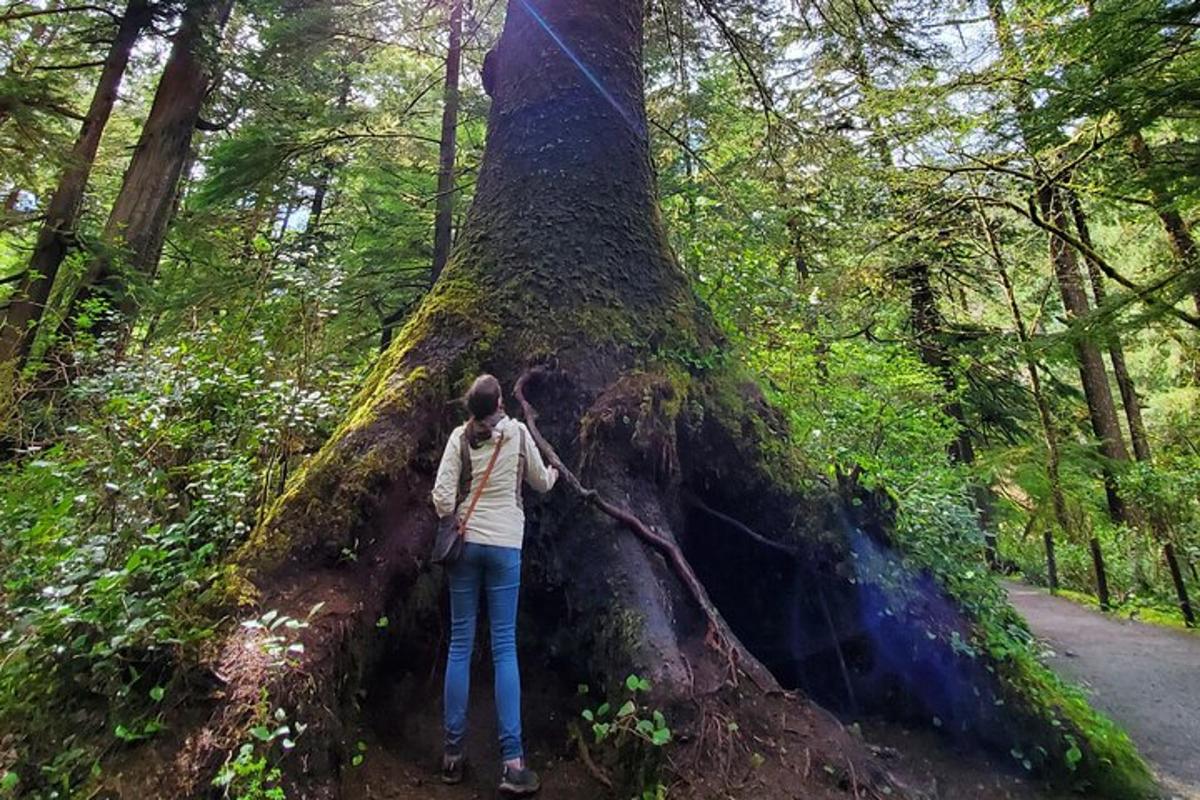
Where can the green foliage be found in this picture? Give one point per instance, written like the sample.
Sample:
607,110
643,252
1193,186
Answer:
115,530
630,740
254,772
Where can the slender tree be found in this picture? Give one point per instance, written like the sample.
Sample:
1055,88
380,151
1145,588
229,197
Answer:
137,223
444,218
1052,206
28,303
1058,497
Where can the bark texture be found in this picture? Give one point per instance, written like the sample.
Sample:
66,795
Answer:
24,312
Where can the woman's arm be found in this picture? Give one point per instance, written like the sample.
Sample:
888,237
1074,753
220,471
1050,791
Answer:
537,474
445,487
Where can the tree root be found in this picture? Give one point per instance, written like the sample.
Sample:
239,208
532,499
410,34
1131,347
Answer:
585,756
718,636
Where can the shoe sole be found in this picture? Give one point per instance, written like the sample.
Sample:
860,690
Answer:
510,790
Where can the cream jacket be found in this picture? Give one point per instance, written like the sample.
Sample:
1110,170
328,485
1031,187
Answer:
499,518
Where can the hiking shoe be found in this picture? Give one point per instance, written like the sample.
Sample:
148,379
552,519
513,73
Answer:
519,782
453,767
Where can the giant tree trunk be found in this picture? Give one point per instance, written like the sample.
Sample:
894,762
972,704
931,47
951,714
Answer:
28,303
562,262
137,224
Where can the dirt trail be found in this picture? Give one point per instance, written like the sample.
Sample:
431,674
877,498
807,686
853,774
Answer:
1145,677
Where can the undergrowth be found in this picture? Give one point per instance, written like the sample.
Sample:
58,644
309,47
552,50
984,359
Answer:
117,513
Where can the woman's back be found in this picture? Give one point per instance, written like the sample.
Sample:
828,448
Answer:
499,517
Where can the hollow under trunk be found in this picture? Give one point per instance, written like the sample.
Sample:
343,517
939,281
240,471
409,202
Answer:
562,262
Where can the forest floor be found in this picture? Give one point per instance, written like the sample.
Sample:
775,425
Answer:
401,752
1143,676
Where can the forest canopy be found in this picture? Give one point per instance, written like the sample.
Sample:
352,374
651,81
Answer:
931,264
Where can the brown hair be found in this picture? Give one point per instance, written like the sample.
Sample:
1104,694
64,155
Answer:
482,401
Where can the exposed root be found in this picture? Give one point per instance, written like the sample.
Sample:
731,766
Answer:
719,636
585,756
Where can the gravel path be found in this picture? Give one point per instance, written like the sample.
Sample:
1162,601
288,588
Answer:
1146,677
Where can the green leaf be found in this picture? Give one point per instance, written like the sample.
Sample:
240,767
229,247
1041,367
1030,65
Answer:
626,709
157,694
9,781
660,737
261,732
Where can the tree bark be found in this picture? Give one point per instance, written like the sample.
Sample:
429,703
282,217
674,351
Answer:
929,328
28,303
930,331
1050,201
1185,604
1092,374
1101,573
137,223
1137,431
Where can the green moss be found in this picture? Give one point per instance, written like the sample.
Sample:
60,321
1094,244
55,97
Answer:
331,495
731,398
1148,614
1079,742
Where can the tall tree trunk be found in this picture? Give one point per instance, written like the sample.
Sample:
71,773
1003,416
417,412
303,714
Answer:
1049,433
444,218
929,329
1137,431
137,223
1092,373
1116,352
18,328
562,260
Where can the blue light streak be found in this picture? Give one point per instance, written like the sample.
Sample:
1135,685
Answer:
630,120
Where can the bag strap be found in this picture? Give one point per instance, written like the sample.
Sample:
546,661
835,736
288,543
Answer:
487,473
521,467
464,470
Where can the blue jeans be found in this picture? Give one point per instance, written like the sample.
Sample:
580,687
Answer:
497,571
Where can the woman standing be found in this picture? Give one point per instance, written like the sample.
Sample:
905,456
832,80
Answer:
490,564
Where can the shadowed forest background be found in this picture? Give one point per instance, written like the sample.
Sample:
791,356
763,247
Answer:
951,243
